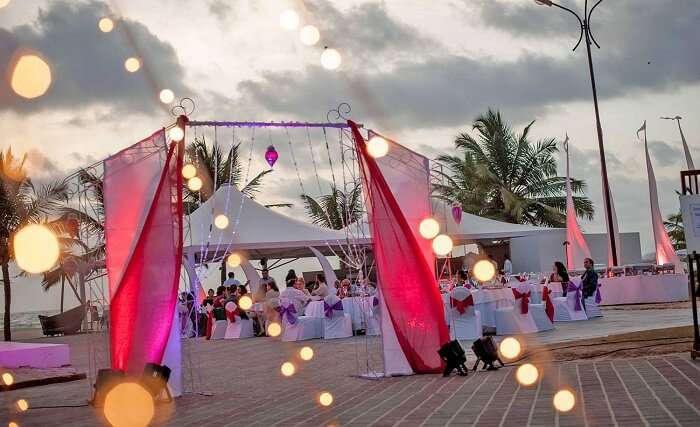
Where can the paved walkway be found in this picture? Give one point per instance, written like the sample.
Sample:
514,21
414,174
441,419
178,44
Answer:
248,389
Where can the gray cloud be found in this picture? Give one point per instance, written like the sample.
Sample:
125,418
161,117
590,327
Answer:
88,65
221,9
450,90
524,18
376,34
665,154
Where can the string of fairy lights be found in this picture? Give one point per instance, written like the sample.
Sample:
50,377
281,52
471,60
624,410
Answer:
31,77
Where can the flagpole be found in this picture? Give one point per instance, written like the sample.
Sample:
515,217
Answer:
586,31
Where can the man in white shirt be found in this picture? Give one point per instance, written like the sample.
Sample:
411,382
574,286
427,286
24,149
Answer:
507,266
231,281
321,289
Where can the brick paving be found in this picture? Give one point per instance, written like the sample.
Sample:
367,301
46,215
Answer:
247,388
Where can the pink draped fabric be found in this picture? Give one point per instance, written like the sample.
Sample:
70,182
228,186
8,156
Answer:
405,278
664,248
143,238
577,249
407,174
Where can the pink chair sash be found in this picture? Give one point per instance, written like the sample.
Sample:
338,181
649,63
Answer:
598,298
328,309
525,300
571,287
461,306
548,305
290,311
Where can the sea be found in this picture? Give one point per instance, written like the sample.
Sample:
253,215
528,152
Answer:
27,319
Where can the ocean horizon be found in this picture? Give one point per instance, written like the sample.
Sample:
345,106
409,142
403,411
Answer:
28,319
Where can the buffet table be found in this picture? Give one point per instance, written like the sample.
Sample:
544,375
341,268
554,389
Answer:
644,289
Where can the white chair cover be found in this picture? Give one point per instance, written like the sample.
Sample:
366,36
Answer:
467,325
339,324
565,307
241,328
511,320
592,308
373,316
304,328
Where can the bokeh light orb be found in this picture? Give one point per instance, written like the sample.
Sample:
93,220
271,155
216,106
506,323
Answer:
331,59
527,374
166,96
234,260
564,400
4,3
221,221
12,424
274,329
129,405
442,244
245,302
105,24
176,133
289,19
8,379
484,270
510,348
189,171
309,35
31,76
194,184
377,147
429,228
36,248
325,398
288,369
132,64
306,353
22,405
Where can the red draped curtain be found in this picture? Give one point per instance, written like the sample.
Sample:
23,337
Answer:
406,279
143,238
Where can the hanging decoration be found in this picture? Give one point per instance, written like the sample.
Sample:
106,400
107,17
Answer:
457,213
271,155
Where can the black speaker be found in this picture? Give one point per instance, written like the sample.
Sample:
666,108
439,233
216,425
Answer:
486,352
106,380
454,357
155,380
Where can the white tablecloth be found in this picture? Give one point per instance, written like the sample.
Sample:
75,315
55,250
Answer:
644,289
357,307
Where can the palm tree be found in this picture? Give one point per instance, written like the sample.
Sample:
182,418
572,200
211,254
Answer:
21,203
216,167
676,231
335,210
89,244
502,175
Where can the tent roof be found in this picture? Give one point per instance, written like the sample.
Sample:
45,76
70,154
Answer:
473,227
259,231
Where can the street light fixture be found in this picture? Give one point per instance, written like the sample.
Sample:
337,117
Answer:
686,150
585,26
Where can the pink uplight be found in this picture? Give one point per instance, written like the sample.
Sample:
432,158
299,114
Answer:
457,213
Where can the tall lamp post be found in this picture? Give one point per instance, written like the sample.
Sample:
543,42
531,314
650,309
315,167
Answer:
586,32
686,150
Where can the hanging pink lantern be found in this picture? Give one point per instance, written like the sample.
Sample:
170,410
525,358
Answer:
271,155
457,213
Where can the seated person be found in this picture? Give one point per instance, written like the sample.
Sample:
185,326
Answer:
559,274
259,294
219,298
298,294
209,300
320,289
344,291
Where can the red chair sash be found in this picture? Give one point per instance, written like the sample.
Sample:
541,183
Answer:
231,315
524,298
462,306
548,305
210,323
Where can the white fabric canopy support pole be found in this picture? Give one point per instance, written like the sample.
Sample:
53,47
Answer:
664,248
327,269
251,274
395,362
195,285
577,248
686,150
172,358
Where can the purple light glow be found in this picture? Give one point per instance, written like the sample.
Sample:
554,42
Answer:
271,155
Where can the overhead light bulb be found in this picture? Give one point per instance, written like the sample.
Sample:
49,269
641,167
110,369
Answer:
331,59
176,133
166,96
309,35
234,260
189,171
31,76
36,248
132,64
377,147
106,24
429,228
194,184
442,245
221,221
289,20
484,270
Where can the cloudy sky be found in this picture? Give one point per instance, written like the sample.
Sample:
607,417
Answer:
417,71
